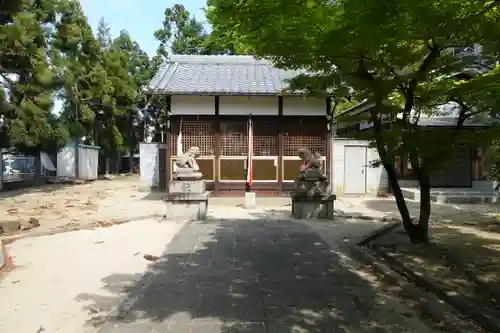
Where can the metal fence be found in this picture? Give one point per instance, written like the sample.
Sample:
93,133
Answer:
18,168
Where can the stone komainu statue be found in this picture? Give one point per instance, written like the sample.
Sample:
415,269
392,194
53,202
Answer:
186,166
311,165
310,180
188,159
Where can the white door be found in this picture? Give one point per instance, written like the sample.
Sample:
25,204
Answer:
355,170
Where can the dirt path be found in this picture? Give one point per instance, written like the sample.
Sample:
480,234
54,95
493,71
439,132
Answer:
70,206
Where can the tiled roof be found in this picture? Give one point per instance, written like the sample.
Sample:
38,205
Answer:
232,75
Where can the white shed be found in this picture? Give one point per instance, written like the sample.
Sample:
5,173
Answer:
353,173
88,158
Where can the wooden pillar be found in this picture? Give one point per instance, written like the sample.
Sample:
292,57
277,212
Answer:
168,145
280,144
217,145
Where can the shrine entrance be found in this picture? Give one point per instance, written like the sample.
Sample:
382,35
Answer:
223,142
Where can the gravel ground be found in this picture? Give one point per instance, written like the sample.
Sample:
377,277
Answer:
61,206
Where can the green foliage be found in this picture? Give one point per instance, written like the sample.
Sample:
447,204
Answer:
343,104
28,77
394,54
181,33
226,39
48,50
136,71
78,55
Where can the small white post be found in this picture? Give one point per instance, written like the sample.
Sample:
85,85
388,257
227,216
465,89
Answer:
250,200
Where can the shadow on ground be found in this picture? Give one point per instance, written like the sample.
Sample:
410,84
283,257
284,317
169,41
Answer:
249,275
463,262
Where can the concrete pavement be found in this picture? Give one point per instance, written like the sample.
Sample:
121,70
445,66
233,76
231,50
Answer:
241,271
245,272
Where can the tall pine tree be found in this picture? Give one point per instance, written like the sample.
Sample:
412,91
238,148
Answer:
28,77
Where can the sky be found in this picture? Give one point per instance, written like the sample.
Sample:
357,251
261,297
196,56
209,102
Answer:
139,17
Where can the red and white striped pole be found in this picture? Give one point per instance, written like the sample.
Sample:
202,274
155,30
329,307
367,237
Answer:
250,156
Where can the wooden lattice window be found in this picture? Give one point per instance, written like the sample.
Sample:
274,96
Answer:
233,138
265,138
304,134
199,134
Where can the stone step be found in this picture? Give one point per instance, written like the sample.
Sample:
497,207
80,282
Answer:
454,196
465,199
412,194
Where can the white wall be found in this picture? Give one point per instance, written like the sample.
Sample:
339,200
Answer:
376,178
149,163
192,105
304,106
246,105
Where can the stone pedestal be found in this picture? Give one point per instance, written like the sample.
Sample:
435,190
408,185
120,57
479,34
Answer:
316,207
188,186
187,199
190,207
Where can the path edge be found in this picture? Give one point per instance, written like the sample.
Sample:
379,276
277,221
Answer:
5,240
3,254
6,264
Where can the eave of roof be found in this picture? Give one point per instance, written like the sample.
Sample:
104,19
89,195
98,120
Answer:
356,109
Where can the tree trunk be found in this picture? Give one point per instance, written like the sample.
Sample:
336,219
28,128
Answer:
421,230
38,179
118,163
107,165
417,233
131,161
400,199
